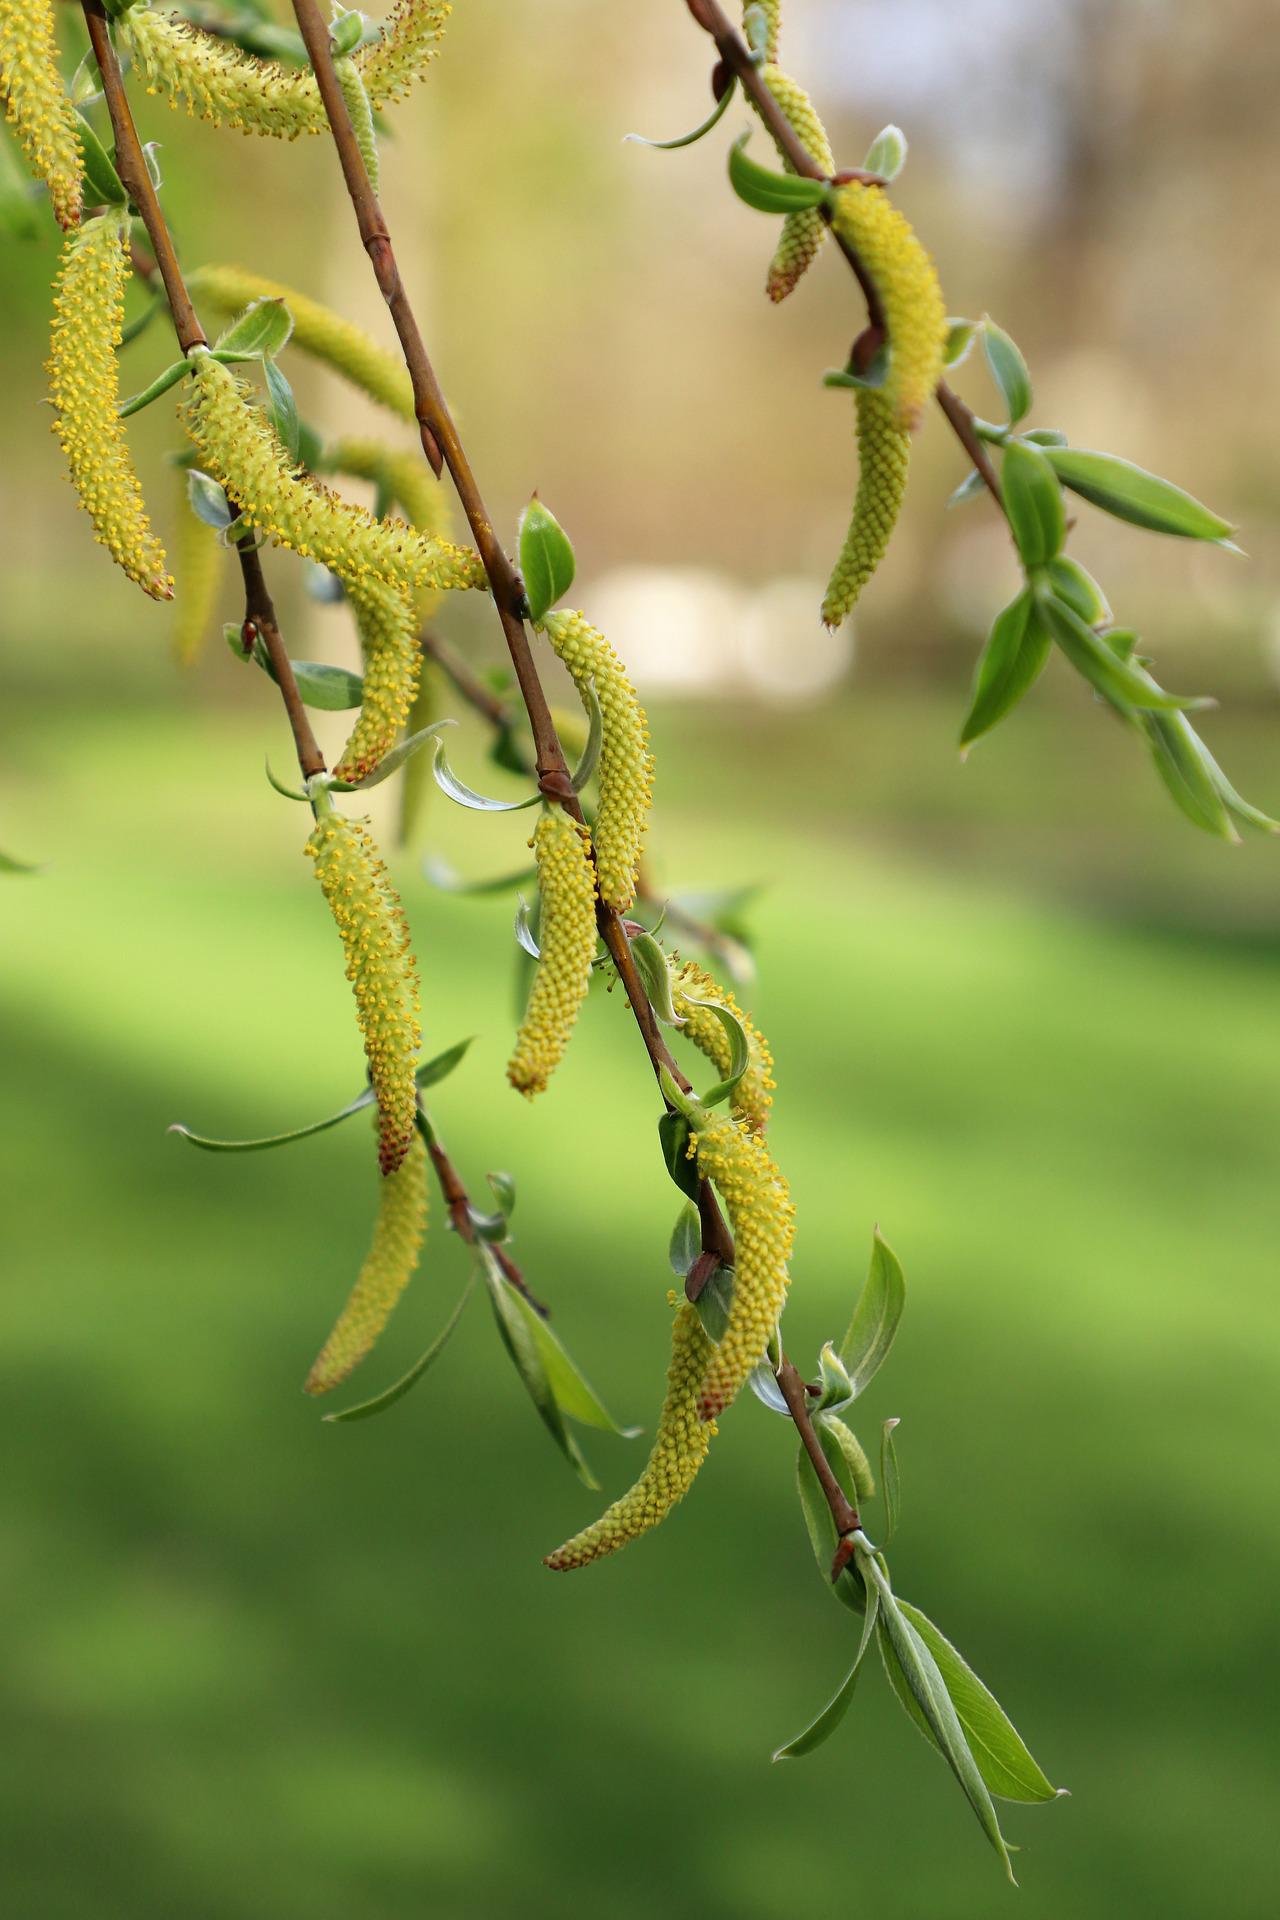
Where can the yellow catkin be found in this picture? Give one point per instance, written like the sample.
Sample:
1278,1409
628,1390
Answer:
884,453
84,386
761,1215
361,113
625,772
199,559
230,88
241,450
904,277
405,478
317,330
398,1234
387,622
36,103
679,1449
691,988
802,233
567,937
381,969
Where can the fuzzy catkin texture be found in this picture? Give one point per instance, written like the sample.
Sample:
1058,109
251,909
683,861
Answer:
903,274
679,1449
692,986
398,1234
802,233
357,99
241,450
317,330
36,103
761,1215
625,772
199,559
381,969
884,454
84,386
231,88
407,479
567,937
387,622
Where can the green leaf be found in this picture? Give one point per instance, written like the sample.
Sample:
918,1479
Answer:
1172,743
264,328
1008,370
207,500
547,563
871,377
448,782
887,154
889,1483
288,793
833,1713
587,765
100,173
858,1479
961,335
345,33
433,1071
821,1528
329,689
282,408
516,1322
837,1388
1118,680
739,1050
970,488
767,191
688,139
766,1389
1132,494
715,1303
920,1671
160,385
9,865
651,965
686,1240
865,1347
525,937
1247,815
1044,437
1033,502
1008,667
361,1100
673,1132
365,1409
502,1185
1079,589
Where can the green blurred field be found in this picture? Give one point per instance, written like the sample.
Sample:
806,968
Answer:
259,1667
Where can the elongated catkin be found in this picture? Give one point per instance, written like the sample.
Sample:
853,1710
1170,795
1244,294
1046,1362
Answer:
398,1234
567,938
37,105
884,454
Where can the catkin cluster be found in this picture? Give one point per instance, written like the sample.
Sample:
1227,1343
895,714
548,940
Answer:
198,561
36,103
231,88
567,938
761,1215
398,1234
625,773
904,277
695,996
381,969
884,453
679,1448
241,450
84,386
317,330
387,622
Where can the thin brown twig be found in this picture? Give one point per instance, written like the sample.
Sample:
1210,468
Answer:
458,1203
131,165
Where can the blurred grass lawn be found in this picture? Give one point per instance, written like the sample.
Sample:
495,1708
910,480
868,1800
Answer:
260,1668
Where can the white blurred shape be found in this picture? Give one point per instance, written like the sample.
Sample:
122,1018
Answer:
787,652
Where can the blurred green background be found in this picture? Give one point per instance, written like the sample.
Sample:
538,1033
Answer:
258,1668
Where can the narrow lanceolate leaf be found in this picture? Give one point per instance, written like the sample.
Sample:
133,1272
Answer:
388,1266
365,1409
1117,679
1009,665
547,561
160,385
1182,768
865,1346
688,139
361,1101
433,1071
1008,370
890,1485
651,965
37,105
518,1325
834,1712
767,191
1033,503
99,168
448,782
1131,493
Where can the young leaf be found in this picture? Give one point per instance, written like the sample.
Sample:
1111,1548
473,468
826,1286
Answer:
673,1132
330,689
766,1389
1132,494
819,1525
688,139
99,168
263,328
713,1304
887,154
503,1187
865,1346
857,1479
448,782
546,559
1118,680
969,488
686,1240
207,500
365,1409
1009,665
574,1398
1008,370
833,1713
770,192
283,408
960,337
837,1387
361,1100
889,1483
526,939
1079,589
739,1051
516,1322
161,384
1172,743
595,740
1033,503
433,1071
651,965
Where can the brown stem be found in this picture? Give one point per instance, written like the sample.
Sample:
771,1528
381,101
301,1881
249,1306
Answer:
793,1392
131,165
458,1202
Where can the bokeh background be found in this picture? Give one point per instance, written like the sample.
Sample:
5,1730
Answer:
257,1668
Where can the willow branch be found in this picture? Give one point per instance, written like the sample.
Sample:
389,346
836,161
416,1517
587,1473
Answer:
458,1204
131,165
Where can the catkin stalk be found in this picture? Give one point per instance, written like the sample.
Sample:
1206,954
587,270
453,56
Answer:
679,1449
884,454
761,1215
381,969
567,937
904,277
625,773
694,995
84,386
398,1234
36,103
